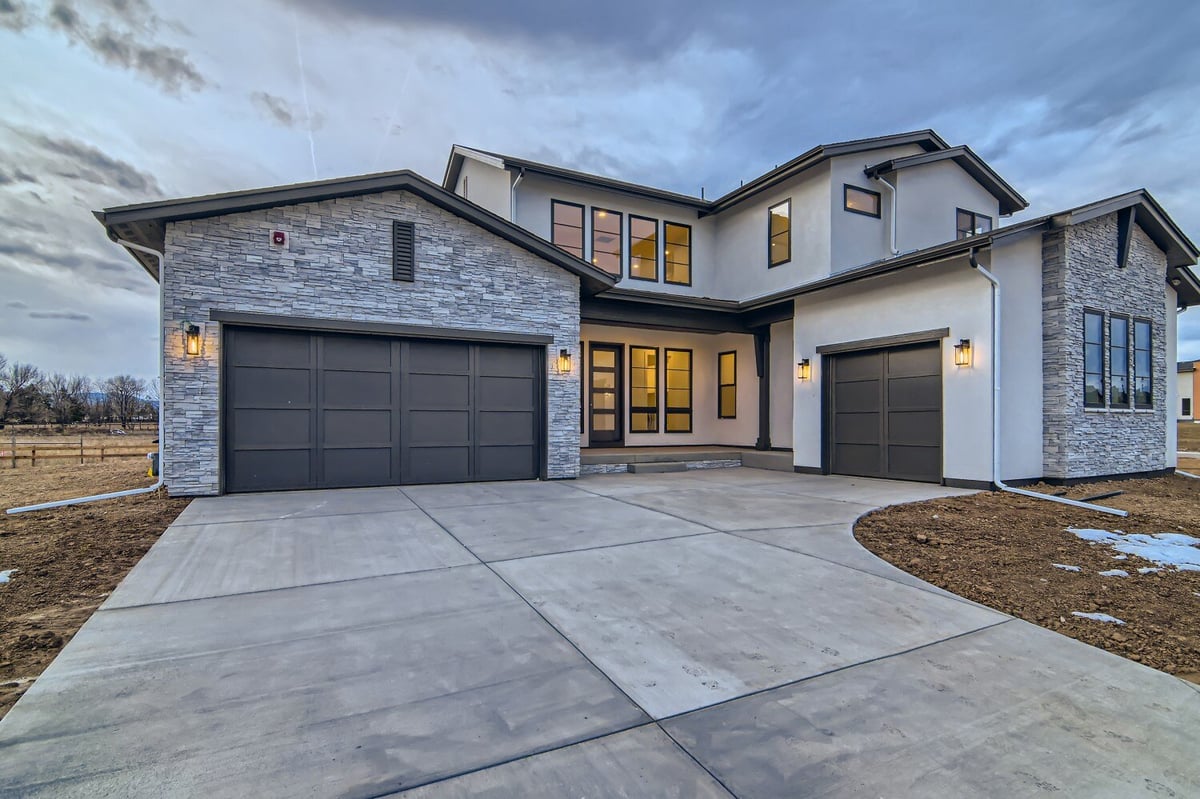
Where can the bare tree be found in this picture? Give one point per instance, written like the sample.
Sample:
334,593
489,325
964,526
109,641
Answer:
3,387
21,383
125,397
66,397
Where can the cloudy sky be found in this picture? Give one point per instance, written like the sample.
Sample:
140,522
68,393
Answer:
108,102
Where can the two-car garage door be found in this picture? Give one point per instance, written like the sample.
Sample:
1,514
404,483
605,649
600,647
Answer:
318,410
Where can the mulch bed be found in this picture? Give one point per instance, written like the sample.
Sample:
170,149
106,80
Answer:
998,549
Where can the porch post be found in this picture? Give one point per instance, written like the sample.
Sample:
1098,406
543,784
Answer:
762,365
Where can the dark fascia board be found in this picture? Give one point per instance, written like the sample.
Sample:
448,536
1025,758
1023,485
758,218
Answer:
147,220
1187,290
374,328
1151,217
604,310
927,139
972,164
1185,366
901,340
458,152
677,300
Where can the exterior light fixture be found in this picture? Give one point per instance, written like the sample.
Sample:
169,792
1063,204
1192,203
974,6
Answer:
962,352
804,370
191,338
564,362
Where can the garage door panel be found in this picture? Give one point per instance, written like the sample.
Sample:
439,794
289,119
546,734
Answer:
858,428
438,357
507,463
359,354
438,465
343,428
914,463
858,366
251,387
505,393
913,361
270,348
433,392
439,427
256,427
856,459
858,396
506,362
358,466
922,428
915,392
270,470
356,389
506,427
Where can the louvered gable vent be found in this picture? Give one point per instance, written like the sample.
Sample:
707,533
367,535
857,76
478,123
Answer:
404,251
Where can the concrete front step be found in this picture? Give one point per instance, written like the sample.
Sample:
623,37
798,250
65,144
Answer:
655,468
775,461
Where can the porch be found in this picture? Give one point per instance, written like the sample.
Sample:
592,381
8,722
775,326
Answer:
611,460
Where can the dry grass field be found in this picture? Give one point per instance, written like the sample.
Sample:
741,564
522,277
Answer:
31,448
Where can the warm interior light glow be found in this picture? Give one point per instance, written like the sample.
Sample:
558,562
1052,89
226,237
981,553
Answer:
803,370
191,339
564,362
962,353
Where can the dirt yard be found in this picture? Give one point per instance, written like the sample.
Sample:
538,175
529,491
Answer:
69,559
999,550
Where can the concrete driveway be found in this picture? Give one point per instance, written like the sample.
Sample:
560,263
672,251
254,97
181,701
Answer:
704,634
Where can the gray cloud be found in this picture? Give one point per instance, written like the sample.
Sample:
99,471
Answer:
71,316
17,304
13,15
77,160
274,108
15,174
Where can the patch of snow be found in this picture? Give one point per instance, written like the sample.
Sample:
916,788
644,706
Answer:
1149,570
1120,557
1163,549
7,574
1104,617
1114,573
1065,567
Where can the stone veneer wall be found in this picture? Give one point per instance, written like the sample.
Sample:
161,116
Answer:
338,265
1079,271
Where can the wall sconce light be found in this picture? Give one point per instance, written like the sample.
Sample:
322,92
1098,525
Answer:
803,370
191,338
962,352
564,362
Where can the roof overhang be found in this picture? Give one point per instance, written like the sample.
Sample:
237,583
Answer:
146,223
972,164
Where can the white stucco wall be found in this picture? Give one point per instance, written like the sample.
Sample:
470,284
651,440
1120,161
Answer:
945,295
1184,388
1018,266
783,383
706,427
1173,386
535,193
485,185
857,239
742,239
927,198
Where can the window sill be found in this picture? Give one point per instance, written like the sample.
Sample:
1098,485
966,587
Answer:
1088,409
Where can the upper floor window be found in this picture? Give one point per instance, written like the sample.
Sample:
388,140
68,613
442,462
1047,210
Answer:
1143,392
860,201
643,248
1093,359
566,230
972,224
779,233
677,253
1118,361
606,240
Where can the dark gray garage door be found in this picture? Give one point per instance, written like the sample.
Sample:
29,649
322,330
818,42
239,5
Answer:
307,410
886,413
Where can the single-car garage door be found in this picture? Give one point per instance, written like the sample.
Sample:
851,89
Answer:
318,410
886,413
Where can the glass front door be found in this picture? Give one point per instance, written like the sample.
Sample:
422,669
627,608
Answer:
604,400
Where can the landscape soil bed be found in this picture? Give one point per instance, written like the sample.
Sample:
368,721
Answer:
67,560
999,550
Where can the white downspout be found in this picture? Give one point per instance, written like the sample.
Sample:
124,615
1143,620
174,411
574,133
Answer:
892,221
161,403
512,203
996,408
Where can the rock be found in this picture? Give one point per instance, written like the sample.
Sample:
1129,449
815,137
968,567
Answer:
922,538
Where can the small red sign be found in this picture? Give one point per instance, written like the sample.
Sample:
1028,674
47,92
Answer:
278,238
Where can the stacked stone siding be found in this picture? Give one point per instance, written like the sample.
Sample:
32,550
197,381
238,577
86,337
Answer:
337,264
1079,271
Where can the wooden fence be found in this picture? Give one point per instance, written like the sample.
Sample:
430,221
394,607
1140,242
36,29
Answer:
13,453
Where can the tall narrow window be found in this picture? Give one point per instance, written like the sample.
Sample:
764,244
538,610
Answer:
1093,359
1143,388
643,248
1118,361
679,391
727,385
606,240
677,252
779,233
643,388
566,230
970,223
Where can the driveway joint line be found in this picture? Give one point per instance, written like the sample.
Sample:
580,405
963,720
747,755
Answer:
696,760
295,517
655,510
542,616
602,546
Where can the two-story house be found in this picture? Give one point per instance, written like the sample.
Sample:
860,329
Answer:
859,309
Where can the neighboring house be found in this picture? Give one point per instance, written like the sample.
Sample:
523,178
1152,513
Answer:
385,330
1188,380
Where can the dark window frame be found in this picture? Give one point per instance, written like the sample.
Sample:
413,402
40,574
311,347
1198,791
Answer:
847,188
720,410
1112,362
1134,374
668,409
1103,360
771,264
1185,406
657,381
582,227
657,248
620,215
975,217
666,243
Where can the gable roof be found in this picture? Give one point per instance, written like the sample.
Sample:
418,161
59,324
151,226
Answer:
972,164
145,223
